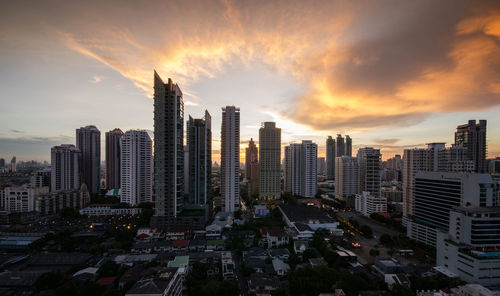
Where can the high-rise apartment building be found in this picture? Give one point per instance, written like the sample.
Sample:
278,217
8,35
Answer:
269,161
230,158
88,141
348,146
41,178
113,154
13,165
252,167
321,166
65,167
346,176
168,151
473,137
436,193
199,140
370,166
330,158
339,146
301,169
136,168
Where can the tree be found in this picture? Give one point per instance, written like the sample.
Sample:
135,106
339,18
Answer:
386,239
110,268
69,214
145,216
374,252
366,230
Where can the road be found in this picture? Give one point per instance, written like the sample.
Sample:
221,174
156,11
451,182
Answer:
378,228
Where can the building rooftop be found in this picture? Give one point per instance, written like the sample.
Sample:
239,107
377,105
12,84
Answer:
303,214
179,261
154,285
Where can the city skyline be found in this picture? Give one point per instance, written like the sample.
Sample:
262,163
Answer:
393,92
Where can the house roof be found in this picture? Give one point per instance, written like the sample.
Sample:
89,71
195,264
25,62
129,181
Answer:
88,270
299,244
106,281
177,229
180,243
216,242
278,252
179,261
154,285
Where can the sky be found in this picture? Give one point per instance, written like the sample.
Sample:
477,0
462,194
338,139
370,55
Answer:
391,74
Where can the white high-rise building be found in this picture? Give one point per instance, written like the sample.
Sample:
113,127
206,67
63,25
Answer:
368,204
65,167
230,158
136,167
301,169
346,176
20,199
370,166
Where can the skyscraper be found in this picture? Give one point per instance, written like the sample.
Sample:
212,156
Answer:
88,141
330,158
301,169
473,137
370,166
230,158
13,164
113,154
199,140
321,166
168,151
252,167
65,163
346,176
348,146
269,161
136,168
339,146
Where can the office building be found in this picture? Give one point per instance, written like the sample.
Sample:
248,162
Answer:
168,151
88,141
436,193
65,167
339,146
301,169
269,161
20,199
370,166
230,158
367,204
469,248
252,167
13,165
473,137
348,146
113,154
41,178
199,141
136,168
2,163
346,176
330,158
321,166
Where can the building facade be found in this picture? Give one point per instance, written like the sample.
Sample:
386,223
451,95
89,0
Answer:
473,137
252,168
230,158
20,199
269,161
136,168
370,167
65,167
301,169
367,204
88,141
346,176
53,202
168,151
199,140
113,162
330,158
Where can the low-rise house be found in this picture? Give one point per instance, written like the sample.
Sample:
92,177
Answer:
178,233
167,282
215,244
282,254
213,231
131,275
317,262
300,246
141,248
89,273
212,260
280,267
396,279
163,246
389,265
197,245
259,265
256,253
261,211
107,282
262,285
227,266
180,245
275,236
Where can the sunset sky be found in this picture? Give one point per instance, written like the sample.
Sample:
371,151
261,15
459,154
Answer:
391,74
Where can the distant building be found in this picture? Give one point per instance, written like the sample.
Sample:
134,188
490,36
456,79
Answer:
167,281
136,168
53,202
368,204
199,140
230,158
348,145
370,166
473,137
168,152
88,141
339,146
300,169
13,165
113,155
346,176
321,166
252,167
20,199
65,167
41,178
330,158
269,161
436,193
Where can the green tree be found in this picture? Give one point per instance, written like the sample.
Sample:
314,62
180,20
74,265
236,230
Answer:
110,268
386,240
69,214
145,216
366,230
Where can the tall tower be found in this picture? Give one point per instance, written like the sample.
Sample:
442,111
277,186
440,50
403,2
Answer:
136,168
330,158
88,141
346,176
339,146
199,141
301,169
370,165
168,151
13,166
230,158
269,161
252,167
473,137
348,146
65,167
113,154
